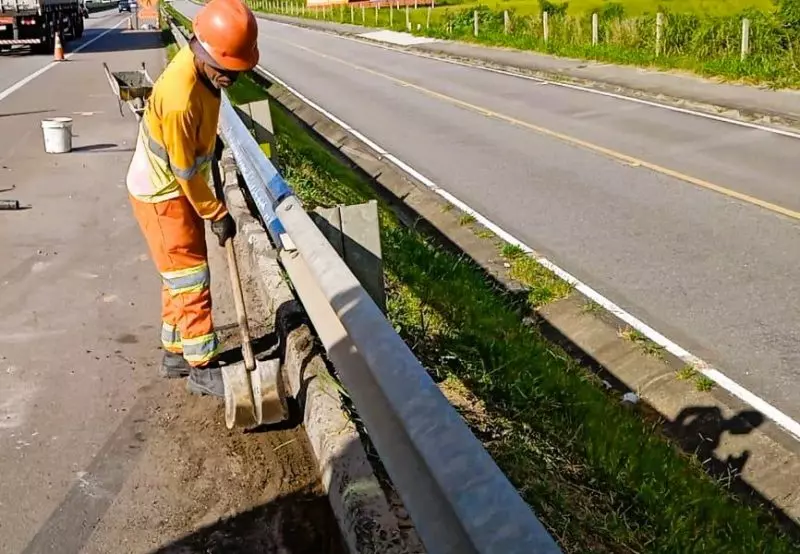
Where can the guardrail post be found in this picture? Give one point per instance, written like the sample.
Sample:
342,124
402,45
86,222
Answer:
258,119
506,22
354,232
595,29
475,23
659,32
546,26
745,38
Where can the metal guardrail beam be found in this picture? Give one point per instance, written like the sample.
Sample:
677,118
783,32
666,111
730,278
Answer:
459,500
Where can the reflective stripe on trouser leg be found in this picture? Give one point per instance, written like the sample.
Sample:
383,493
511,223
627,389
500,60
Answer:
170,333
175,235
171,338
190,279
200,350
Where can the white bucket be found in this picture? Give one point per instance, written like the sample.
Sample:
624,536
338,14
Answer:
57,135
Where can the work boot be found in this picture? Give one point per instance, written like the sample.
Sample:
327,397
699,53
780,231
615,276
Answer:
174,366
206,380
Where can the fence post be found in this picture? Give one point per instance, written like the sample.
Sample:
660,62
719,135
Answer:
408,19
745,38
659,32
352,15
546,26
377,8
506,22
363,14
595,29
428,19
391,16
475,22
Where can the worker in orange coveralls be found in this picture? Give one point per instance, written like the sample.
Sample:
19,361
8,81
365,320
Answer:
168,182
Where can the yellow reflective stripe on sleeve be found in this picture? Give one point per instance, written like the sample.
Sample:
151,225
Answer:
202,349
193,279
170,336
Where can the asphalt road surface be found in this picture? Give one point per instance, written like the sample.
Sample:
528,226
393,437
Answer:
18,63
619,194
97,453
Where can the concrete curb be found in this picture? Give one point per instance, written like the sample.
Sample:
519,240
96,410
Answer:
368,523
729,437
490,57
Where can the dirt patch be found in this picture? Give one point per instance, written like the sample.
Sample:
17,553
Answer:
202,488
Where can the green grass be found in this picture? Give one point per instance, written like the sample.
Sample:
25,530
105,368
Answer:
700,36
632,7
703,383
642,342
601,478
686,373
466,219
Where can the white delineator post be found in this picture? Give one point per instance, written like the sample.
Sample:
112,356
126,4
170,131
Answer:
745,38
475,22
546,26
659,33
506,22
595,29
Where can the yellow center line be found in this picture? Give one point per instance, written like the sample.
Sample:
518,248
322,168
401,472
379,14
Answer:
631,160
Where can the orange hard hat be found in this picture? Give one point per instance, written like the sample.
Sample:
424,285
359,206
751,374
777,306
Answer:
228,32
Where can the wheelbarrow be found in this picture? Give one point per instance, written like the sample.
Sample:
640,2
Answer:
131,87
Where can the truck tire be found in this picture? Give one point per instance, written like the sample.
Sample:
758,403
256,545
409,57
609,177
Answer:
46,47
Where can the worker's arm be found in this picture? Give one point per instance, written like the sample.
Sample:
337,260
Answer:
180,131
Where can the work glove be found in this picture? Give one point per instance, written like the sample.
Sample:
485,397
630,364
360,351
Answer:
224,228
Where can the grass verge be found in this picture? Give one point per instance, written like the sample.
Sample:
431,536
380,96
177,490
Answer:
599,476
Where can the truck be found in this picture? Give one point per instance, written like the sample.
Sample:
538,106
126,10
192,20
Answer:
34,23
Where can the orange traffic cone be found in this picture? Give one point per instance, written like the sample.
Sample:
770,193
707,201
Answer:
58,55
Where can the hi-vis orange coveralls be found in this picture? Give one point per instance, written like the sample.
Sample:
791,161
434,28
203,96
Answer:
168,185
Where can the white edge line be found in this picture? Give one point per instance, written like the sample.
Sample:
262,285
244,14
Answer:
773,413
412,51
21,83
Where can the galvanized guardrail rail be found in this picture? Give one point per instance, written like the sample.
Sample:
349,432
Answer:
459,500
